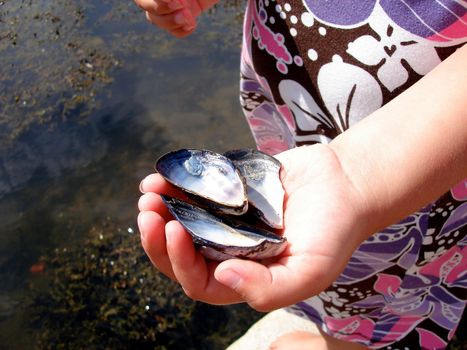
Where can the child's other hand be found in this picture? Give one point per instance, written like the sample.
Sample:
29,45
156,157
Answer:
178,17
322,222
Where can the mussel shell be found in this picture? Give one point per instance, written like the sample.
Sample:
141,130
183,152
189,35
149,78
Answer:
264,187
220,238
209,178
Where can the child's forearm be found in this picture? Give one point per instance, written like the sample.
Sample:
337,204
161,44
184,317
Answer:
411,150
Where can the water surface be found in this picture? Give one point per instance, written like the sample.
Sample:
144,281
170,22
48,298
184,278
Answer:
90,96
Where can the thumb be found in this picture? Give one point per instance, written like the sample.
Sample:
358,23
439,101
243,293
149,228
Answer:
264,288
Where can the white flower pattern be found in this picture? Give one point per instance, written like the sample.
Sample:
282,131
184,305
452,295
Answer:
394,47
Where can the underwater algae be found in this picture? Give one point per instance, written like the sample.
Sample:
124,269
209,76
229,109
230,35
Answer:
106,294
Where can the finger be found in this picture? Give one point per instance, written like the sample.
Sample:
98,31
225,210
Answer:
270,287
176,20
184,31
153,202
155,183
193,271
152,229
159,7
139,3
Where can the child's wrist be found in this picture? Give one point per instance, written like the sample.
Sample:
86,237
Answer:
367,206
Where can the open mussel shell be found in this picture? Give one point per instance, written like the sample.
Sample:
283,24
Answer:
209,178
264,187
220,238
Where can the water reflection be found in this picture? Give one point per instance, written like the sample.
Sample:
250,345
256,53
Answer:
90,95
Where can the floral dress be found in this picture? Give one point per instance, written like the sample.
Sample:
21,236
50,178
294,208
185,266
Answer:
310,70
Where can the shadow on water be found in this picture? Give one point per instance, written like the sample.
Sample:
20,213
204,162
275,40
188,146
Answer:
90,96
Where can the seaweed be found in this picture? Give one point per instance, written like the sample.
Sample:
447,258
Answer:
106,294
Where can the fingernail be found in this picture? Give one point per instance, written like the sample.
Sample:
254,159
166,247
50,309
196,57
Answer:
180,18
141,230
141,187
168,236
230,278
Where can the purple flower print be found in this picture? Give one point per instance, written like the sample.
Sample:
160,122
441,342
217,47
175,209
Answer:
422,17
341,12
422,293
400,242
443,20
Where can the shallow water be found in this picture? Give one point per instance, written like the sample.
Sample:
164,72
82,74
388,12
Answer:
90,96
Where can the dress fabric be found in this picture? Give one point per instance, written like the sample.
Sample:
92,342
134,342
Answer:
310,70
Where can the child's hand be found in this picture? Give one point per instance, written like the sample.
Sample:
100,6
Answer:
178,17
322,219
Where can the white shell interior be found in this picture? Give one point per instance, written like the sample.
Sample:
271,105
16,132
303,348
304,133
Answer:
268,196
222,234
264,189
211,177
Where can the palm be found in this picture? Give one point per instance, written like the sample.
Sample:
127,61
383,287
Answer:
320,216
320,222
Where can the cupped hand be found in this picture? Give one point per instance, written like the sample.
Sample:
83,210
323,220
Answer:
323,215
178,17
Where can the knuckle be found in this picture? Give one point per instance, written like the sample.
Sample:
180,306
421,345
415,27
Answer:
160,8
192,294
260,304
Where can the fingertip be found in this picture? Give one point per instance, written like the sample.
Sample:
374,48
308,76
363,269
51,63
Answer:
245,269
150,202
228,277
155,183
148,222
251,280
176,234
140,187
180,246
189,28
142,220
